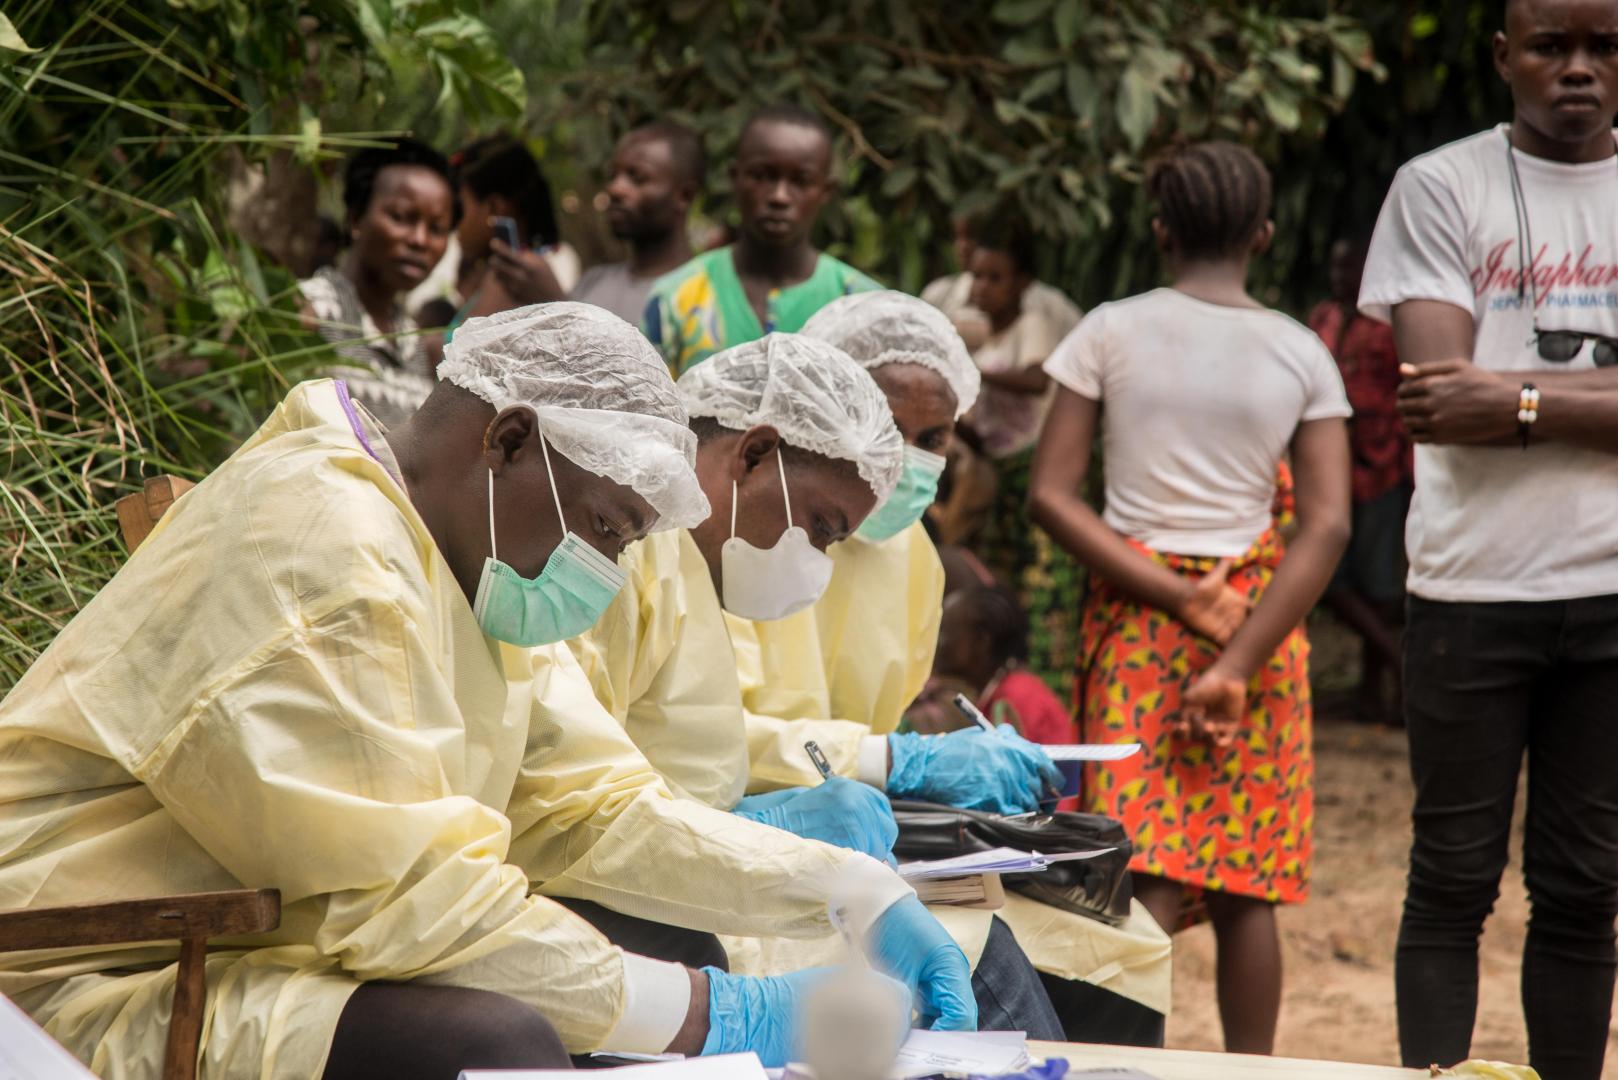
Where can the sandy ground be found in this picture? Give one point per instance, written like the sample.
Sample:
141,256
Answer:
1338,947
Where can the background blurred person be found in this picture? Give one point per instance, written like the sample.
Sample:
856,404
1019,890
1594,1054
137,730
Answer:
1006,420
952,293
400,213
1368,590
1192,642
656,173
496,177
772,278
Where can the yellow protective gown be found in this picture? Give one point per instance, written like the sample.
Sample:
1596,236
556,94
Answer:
863,651
285,687
861,654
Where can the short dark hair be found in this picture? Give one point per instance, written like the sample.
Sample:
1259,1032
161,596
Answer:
1006,233
786,113
1213,197
995,611
685,147
359,175
502,165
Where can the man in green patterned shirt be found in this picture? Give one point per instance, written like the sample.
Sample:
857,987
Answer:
772,278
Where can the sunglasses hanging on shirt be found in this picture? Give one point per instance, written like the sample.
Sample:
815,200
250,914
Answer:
1555,346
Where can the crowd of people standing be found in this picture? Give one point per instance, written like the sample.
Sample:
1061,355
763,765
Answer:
544,593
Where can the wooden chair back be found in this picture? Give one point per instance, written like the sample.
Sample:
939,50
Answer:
191,919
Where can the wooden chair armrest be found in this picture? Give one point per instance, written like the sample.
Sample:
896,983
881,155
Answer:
138,513
161,918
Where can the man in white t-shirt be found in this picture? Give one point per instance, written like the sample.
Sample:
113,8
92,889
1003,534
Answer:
1496,259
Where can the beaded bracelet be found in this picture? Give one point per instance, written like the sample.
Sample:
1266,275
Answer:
1527,411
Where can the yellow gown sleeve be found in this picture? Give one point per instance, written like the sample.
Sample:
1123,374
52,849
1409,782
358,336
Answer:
302,769
593,820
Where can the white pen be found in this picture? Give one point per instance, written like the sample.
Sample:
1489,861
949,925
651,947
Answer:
973,713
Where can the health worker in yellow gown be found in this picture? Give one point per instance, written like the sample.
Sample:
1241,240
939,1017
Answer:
334,669
863,651
796,446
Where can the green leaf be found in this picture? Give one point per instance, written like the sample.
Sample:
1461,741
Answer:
1040,85
308,148
1020,12
1282,109
10,39
1069,21
900,179
1342,77
1423,24
1136,107
1082,95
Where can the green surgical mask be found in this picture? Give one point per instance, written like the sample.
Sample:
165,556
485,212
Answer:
565,600
917,489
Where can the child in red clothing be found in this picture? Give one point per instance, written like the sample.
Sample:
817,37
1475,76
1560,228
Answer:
982,643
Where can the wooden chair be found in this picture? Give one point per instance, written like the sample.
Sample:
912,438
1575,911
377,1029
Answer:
191,919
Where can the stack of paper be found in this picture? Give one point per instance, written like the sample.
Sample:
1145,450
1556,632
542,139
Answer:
981,1053
1092,751
719,1067
1000,860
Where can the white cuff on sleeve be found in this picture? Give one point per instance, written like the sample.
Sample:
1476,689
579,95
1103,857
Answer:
871,766
657,997
861,892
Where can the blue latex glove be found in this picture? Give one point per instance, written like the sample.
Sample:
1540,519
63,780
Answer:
909,944
757,1013
842,812
1002,773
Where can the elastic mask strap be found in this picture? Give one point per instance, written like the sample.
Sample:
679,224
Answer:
493,554
733,509
780,464
552,478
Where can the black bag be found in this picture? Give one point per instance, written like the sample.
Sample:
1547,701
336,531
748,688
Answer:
1097,887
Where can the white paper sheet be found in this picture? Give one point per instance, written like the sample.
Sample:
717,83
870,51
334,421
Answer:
1092,751
27,1053
989,1052
720,1067
1001,860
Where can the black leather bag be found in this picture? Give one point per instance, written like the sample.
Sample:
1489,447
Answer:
1097,887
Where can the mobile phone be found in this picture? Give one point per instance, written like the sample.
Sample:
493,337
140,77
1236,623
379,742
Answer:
505,230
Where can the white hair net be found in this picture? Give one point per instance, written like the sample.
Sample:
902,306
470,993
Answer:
809,391
602,394
887,327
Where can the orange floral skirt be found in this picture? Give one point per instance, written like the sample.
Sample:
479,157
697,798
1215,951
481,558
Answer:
1237,820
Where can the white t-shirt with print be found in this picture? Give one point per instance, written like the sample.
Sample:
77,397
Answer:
1503,523
1200,402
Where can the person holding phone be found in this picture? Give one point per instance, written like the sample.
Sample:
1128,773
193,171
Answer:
509,237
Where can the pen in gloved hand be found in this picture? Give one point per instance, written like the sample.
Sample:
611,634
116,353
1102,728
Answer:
818,756
973,713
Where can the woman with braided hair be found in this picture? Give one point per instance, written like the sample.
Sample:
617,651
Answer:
1191,640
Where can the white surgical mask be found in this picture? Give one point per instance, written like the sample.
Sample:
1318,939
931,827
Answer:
771,583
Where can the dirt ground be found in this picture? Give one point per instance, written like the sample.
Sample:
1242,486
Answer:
1338,947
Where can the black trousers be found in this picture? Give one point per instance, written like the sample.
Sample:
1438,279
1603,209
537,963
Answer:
1485,686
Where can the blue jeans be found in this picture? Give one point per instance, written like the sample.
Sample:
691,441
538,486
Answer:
1485,686
1009,993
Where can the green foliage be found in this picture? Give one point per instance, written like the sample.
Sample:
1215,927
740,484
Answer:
137,335
1054,105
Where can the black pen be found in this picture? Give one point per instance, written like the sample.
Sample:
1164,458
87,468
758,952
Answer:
815,755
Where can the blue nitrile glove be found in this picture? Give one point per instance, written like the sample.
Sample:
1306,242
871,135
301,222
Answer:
842,812
1002,773
757,1013
908,942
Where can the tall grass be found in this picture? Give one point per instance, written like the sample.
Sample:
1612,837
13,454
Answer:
137,336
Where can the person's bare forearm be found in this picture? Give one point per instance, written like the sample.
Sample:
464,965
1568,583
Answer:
693,1034
1080,530
1295,588
1575,407
1032,380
